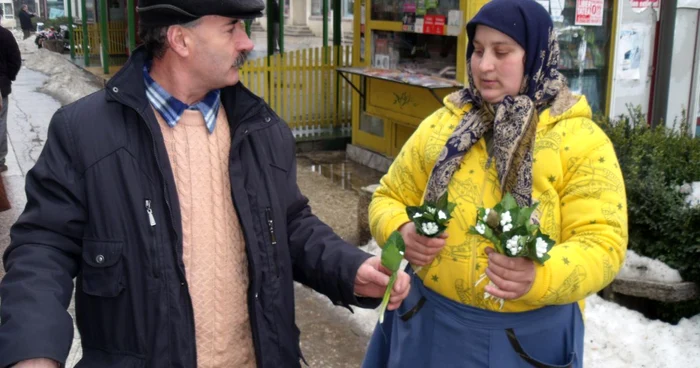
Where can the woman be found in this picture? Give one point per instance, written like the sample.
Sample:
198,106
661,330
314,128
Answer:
515,129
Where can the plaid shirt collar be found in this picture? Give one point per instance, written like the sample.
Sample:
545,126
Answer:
171,109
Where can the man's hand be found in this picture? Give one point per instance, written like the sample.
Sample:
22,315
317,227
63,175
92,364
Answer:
37,363
420,250
372,279
513,276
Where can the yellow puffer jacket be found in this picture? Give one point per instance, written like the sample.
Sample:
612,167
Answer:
576,179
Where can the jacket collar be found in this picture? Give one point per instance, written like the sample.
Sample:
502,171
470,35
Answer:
128,87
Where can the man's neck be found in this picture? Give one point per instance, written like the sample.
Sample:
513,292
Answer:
175,79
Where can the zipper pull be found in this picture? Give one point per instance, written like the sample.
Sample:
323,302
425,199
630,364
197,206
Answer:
271,226
149,210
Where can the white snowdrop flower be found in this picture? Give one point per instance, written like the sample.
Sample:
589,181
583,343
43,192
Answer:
507,228
512,244
506,219
486,216
540,247
417,215
442,215
481,228
430,209
430,228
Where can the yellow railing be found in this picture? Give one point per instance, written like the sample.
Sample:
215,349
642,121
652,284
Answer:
302,87
116,35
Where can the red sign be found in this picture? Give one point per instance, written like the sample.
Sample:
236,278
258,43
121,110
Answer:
429,24
643,4
440,21
434,24
589,12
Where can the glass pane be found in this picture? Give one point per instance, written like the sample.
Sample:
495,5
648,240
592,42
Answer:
372,125
415,52
9,14
585,51
316,7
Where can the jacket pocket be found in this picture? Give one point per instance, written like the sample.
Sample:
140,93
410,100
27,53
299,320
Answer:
273,255
103,270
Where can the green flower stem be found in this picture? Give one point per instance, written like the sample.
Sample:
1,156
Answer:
387,295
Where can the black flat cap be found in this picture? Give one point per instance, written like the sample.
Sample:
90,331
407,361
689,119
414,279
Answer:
169,12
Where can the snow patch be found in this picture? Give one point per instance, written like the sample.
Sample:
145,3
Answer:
67,82
642,268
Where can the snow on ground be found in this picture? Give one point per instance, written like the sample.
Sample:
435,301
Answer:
616,337
60,70
638,267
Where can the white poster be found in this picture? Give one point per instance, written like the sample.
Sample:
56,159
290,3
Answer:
630,48
454,22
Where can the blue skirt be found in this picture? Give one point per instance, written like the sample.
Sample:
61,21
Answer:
429,330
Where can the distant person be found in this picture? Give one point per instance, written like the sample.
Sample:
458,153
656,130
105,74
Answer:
10,62
25,21
275,17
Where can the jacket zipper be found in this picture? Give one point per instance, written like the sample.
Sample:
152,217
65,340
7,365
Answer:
252,291
154,249
183,280
273,240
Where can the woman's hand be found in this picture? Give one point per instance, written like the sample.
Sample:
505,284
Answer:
420,250
513,276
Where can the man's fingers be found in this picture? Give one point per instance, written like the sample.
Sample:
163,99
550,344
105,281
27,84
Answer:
377,277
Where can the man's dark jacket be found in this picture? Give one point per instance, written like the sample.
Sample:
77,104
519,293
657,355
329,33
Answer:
86,217
10,61
25,20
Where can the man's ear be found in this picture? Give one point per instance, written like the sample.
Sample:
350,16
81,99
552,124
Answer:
179,40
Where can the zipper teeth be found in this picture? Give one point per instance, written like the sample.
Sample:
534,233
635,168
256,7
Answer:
170,211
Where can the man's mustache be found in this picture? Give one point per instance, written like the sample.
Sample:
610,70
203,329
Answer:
241,59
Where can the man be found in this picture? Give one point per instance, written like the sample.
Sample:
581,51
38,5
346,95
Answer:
10,63
172,196
25,21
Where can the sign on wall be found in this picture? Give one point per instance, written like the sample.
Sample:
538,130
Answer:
589,12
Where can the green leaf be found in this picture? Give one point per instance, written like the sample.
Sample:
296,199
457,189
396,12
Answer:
450,208
393,252
442,201
508,202
412,210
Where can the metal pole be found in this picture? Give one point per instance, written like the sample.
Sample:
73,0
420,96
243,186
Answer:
665,58
86,41
337,34
270,30
247,27
104,35
70,30
337,17
324,11
132,25
281,25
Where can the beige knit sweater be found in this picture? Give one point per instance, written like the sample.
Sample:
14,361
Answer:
213,245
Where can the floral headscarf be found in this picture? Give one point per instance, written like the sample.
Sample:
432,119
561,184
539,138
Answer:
514,120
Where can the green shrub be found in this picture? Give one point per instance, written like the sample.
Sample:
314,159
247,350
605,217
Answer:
654,163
